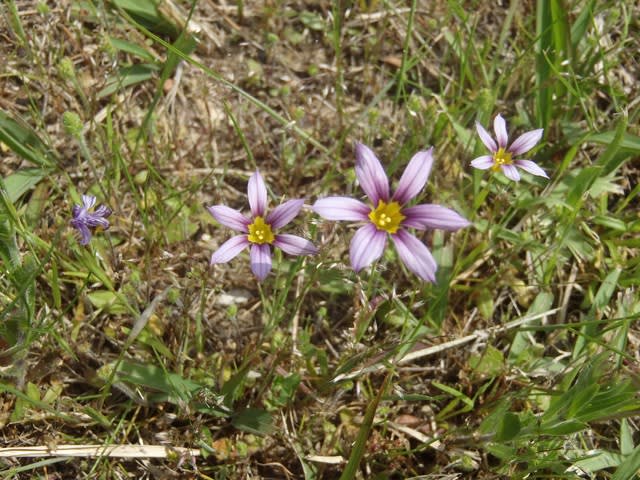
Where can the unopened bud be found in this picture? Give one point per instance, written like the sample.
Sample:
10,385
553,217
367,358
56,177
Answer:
72,124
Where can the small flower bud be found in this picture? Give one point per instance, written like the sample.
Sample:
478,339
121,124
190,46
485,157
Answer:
72,124
66,69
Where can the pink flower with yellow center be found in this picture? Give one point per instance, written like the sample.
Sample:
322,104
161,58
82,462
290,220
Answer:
501,157
258,231
389,216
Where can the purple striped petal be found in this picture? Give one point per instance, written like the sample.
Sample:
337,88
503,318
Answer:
77,211
294,245
415,255
257,193
511,172
484,162
260,260
102,211
371,175
85,233
414,176
93,220
283,214
88,201
433,216
342,208
526,142
531,167
500,127
230,218
366,246
486,138
229,249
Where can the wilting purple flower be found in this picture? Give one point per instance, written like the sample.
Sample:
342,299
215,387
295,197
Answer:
257,232
85,220
388,214
501,156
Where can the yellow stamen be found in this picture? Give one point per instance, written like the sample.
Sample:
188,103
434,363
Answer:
260,232
501,157
387,216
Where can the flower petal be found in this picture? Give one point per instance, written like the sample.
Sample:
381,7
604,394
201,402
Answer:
77,211
366,246
260,260
93,220
283,214
341,208
230,218
531,167
102,211
484,162
294,245
500,127
415,255
526,142
433,216
229,249
371,175
414,176
85,233
257,193
511,172
88,201
486,138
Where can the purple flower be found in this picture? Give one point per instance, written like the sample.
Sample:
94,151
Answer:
501,156
257,232
85,220
389,215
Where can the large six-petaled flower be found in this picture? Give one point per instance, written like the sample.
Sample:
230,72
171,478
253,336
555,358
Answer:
258,232
389,214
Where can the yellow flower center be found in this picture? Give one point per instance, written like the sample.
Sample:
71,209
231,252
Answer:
260,232
387,216
501,157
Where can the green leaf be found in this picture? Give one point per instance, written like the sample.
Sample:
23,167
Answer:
132,49
147,13
21,181
601,300
20,138
508,427
358,450
253,420
628,141
629,468
107,301
490,363
599,461
176,387
128,76
626,438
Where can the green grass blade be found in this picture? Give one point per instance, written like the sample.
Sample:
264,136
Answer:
24,141
357,452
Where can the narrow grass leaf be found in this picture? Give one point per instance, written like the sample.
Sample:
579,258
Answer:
357,452
579,27
132,49
599,461
601,300
20,138
629,468
128,76
626,438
